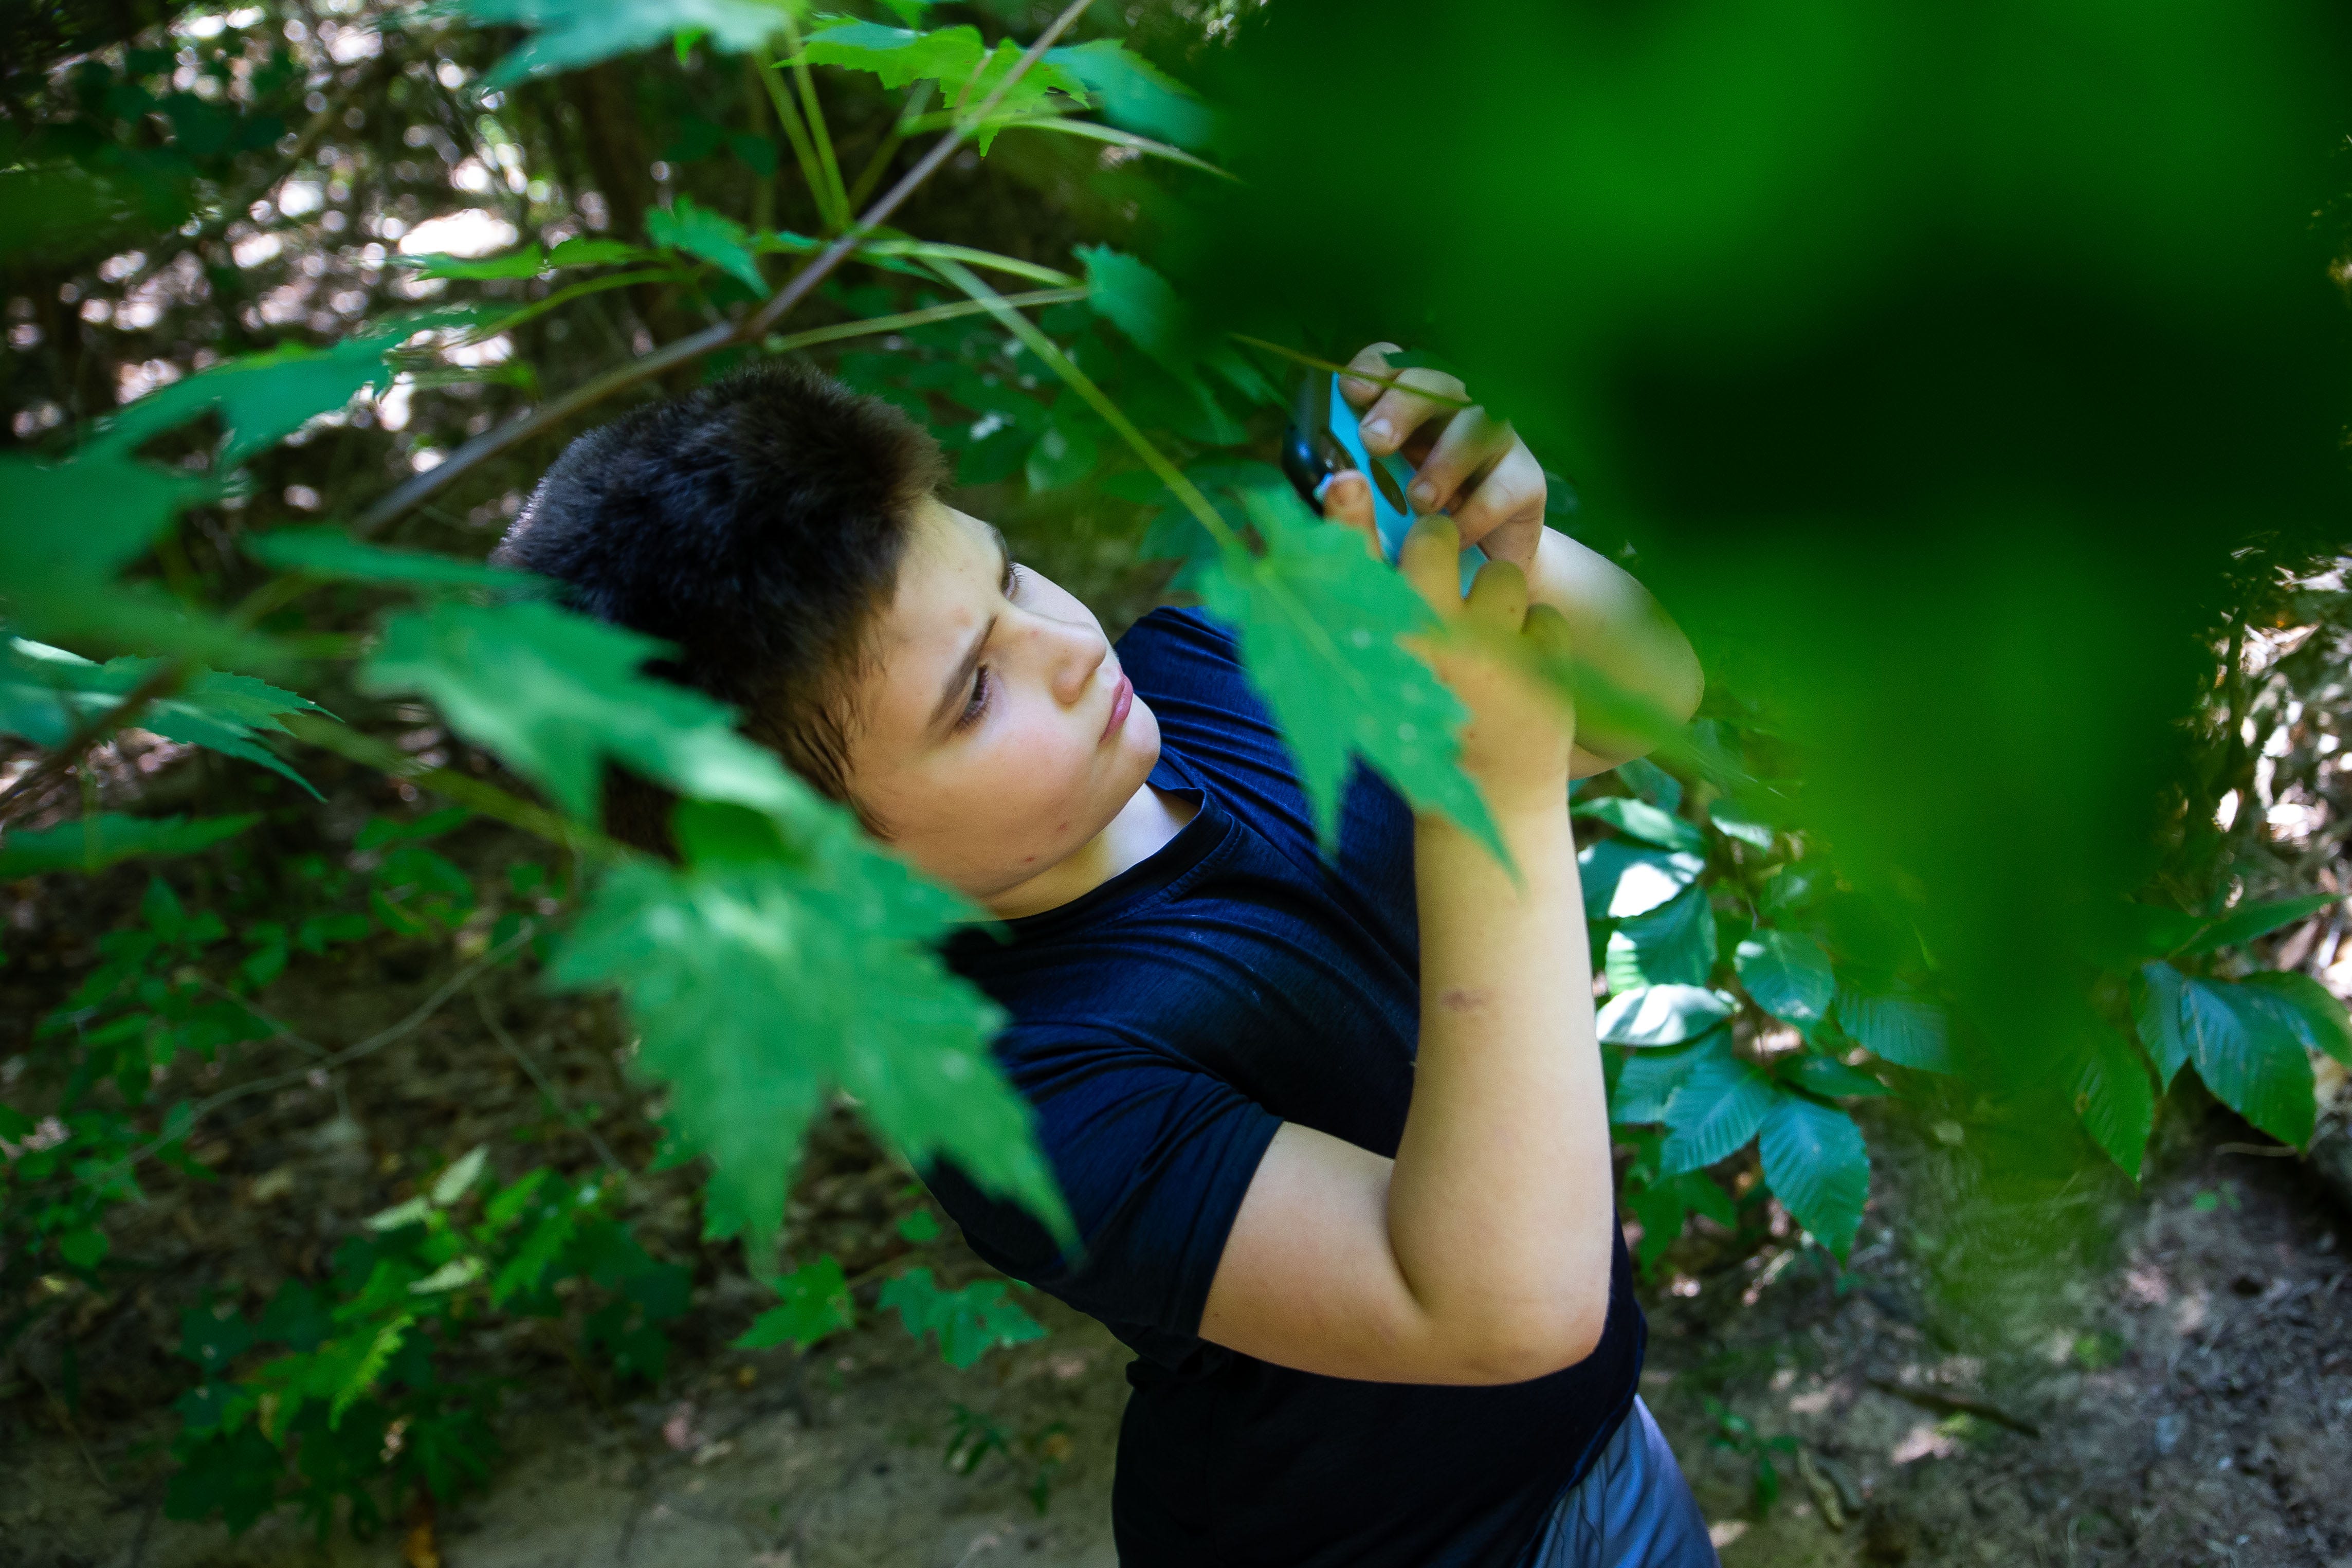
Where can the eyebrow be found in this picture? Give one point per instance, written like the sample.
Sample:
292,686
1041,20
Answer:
961,677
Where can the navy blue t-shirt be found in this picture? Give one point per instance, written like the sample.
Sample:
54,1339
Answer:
1163,1026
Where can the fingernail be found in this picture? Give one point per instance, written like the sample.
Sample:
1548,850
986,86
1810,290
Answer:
1378,430
1424,495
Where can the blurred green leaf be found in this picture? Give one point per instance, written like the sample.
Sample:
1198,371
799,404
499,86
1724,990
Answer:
1815,1163
2115,1100
1900,1029
332,553
1131,91
529,262
1826,1076
713,236
816,1303
1664,1206
1319,622
966,70
2247,922
1787,975
261,398
93,843
968,1323
569,33
1640,819
1734,820
2249,1051
2315,1013
1622,880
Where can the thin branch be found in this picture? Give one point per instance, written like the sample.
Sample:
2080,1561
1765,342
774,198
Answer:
547,1086
26,793
836,198
749,328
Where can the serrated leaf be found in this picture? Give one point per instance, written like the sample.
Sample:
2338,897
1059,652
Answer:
454,1275
1716,1108
46,692
713,236
332,553
2315,1013
261,398
2115,1100
815,1303
2248,921
1622,880
1787,975
1827,1077
1673,945
1318,621
1640,819
1133,93
73,527
761,985
93,843
569,33
556,694
968,1323
1900,1029
2248,1052
1735,821
411,1211
2156,993
1646,1079
461,1175
522,1273
344,1372
1816,1165
966,70
1662,1015
1665,1206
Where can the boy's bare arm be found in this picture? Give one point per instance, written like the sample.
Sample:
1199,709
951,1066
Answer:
1481,1254
1475,468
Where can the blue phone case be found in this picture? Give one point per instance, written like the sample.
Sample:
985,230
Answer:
1394,521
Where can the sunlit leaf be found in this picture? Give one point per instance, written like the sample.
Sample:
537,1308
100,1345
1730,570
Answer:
1900,1029
1662,1015
2115,1100
569,33
72,528
527,262
1623,880
1318,621
713,236
1789,975
1815,1163
96,842
2315,1013
1640,819
966,70
1735,821
1673,945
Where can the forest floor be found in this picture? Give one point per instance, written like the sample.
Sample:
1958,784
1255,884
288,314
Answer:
2168,1381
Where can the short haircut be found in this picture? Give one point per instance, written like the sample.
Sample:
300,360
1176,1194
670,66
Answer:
756,524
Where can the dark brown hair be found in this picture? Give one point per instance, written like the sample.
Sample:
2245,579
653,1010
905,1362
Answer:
756,525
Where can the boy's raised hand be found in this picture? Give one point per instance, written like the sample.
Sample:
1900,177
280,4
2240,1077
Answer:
1470,465
1521,732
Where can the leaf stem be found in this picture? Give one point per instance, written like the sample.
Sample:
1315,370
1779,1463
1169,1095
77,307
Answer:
804,153
837,197
1391,381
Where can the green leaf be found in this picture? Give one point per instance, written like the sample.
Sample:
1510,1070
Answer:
72,528
261,398
1735,821
2315,1013
1716,1108
2115,1100
332,553
1815,1163
569,33
713,236
965,68
2248,921
1135,94
96,842
462,1174
586,252
918,1226
1662,1015
1673,945
1665,1206
1641,775
527,262
46,692
2156,1008
1318,621
1900,1029
968,1322
1647,1078
1622,881
759,985
816,1303
1640,819
1787,975
556,694
1826,1076
558,1223
1146,308
2250,1052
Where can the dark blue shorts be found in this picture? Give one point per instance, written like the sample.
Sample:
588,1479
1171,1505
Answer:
1632,1509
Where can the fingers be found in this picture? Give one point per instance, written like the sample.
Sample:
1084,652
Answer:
1348,502
1372,357
1498,596
1406,407
1430,562
1471,442
1548,630
1504,512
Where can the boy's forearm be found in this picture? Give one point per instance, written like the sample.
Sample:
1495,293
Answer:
1501,1199
1621,635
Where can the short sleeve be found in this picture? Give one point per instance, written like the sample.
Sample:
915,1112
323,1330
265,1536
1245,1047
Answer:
1153,1156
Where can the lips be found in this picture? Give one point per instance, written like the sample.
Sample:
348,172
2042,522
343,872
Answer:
1122,698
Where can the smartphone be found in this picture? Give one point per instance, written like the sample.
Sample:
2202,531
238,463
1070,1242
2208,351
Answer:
1323,440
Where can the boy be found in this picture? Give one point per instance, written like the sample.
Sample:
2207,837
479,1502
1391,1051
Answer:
1332,1126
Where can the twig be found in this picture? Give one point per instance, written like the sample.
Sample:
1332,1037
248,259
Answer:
22,796
747,329
547,1086
2268,1151
1952,1405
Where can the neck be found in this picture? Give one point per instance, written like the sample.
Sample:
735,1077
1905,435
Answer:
1149,818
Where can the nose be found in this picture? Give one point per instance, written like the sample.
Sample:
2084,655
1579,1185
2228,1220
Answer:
1072,652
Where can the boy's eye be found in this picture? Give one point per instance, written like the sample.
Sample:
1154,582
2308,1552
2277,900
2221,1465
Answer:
981,686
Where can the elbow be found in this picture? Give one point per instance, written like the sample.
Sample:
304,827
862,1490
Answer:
1522,1352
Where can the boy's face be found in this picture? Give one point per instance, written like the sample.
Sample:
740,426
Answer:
996,732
